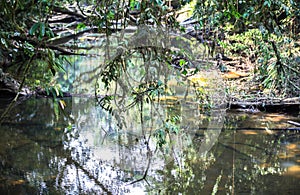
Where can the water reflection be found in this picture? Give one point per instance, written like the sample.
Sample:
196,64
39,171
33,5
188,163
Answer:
162,132
94,156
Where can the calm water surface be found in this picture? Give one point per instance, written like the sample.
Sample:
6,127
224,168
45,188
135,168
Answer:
90,154
88,150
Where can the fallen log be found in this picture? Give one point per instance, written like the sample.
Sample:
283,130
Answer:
266,105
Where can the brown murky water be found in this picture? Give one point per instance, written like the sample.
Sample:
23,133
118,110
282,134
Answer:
253,153
88,150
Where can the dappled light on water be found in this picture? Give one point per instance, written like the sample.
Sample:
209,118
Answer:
94,155
138,124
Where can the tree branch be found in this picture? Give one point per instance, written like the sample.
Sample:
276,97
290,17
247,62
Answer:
65,39
70,160
69,12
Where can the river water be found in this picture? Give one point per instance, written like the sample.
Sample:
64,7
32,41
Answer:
40,154
175,143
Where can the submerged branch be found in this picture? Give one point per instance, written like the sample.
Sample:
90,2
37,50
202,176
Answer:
88,174
235,150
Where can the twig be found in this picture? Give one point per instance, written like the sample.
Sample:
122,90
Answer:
146,171
294,123
291,68
294,85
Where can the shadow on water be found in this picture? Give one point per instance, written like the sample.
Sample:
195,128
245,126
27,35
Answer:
42,155
152,129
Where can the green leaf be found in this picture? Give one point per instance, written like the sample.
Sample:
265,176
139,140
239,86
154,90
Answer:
53,92
56,108
52,71
34,28
159,2
47,90
267,3
182,62
42,30
49,32
133,4
81,26
236,14
56,91
59,65
110,15
159,83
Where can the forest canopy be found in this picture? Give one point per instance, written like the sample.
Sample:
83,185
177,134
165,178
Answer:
34,34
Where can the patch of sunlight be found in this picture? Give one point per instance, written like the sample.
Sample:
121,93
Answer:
234,75
192,102
285,156
166,98
291,146
249,132
58,128
275,117
199,80
293,170
18,182
265,165
186,11
269,132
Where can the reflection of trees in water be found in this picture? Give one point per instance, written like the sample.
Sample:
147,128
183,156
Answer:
251,156
124,155
140,75
77,167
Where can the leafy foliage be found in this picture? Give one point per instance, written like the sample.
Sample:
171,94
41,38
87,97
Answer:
27,31
266,31
170,127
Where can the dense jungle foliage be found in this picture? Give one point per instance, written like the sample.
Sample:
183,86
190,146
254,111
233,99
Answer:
38,39
266,33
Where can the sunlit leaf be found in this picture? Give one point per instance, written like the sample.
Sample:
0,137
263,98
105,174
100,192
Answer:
81,26
182,62
62,104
